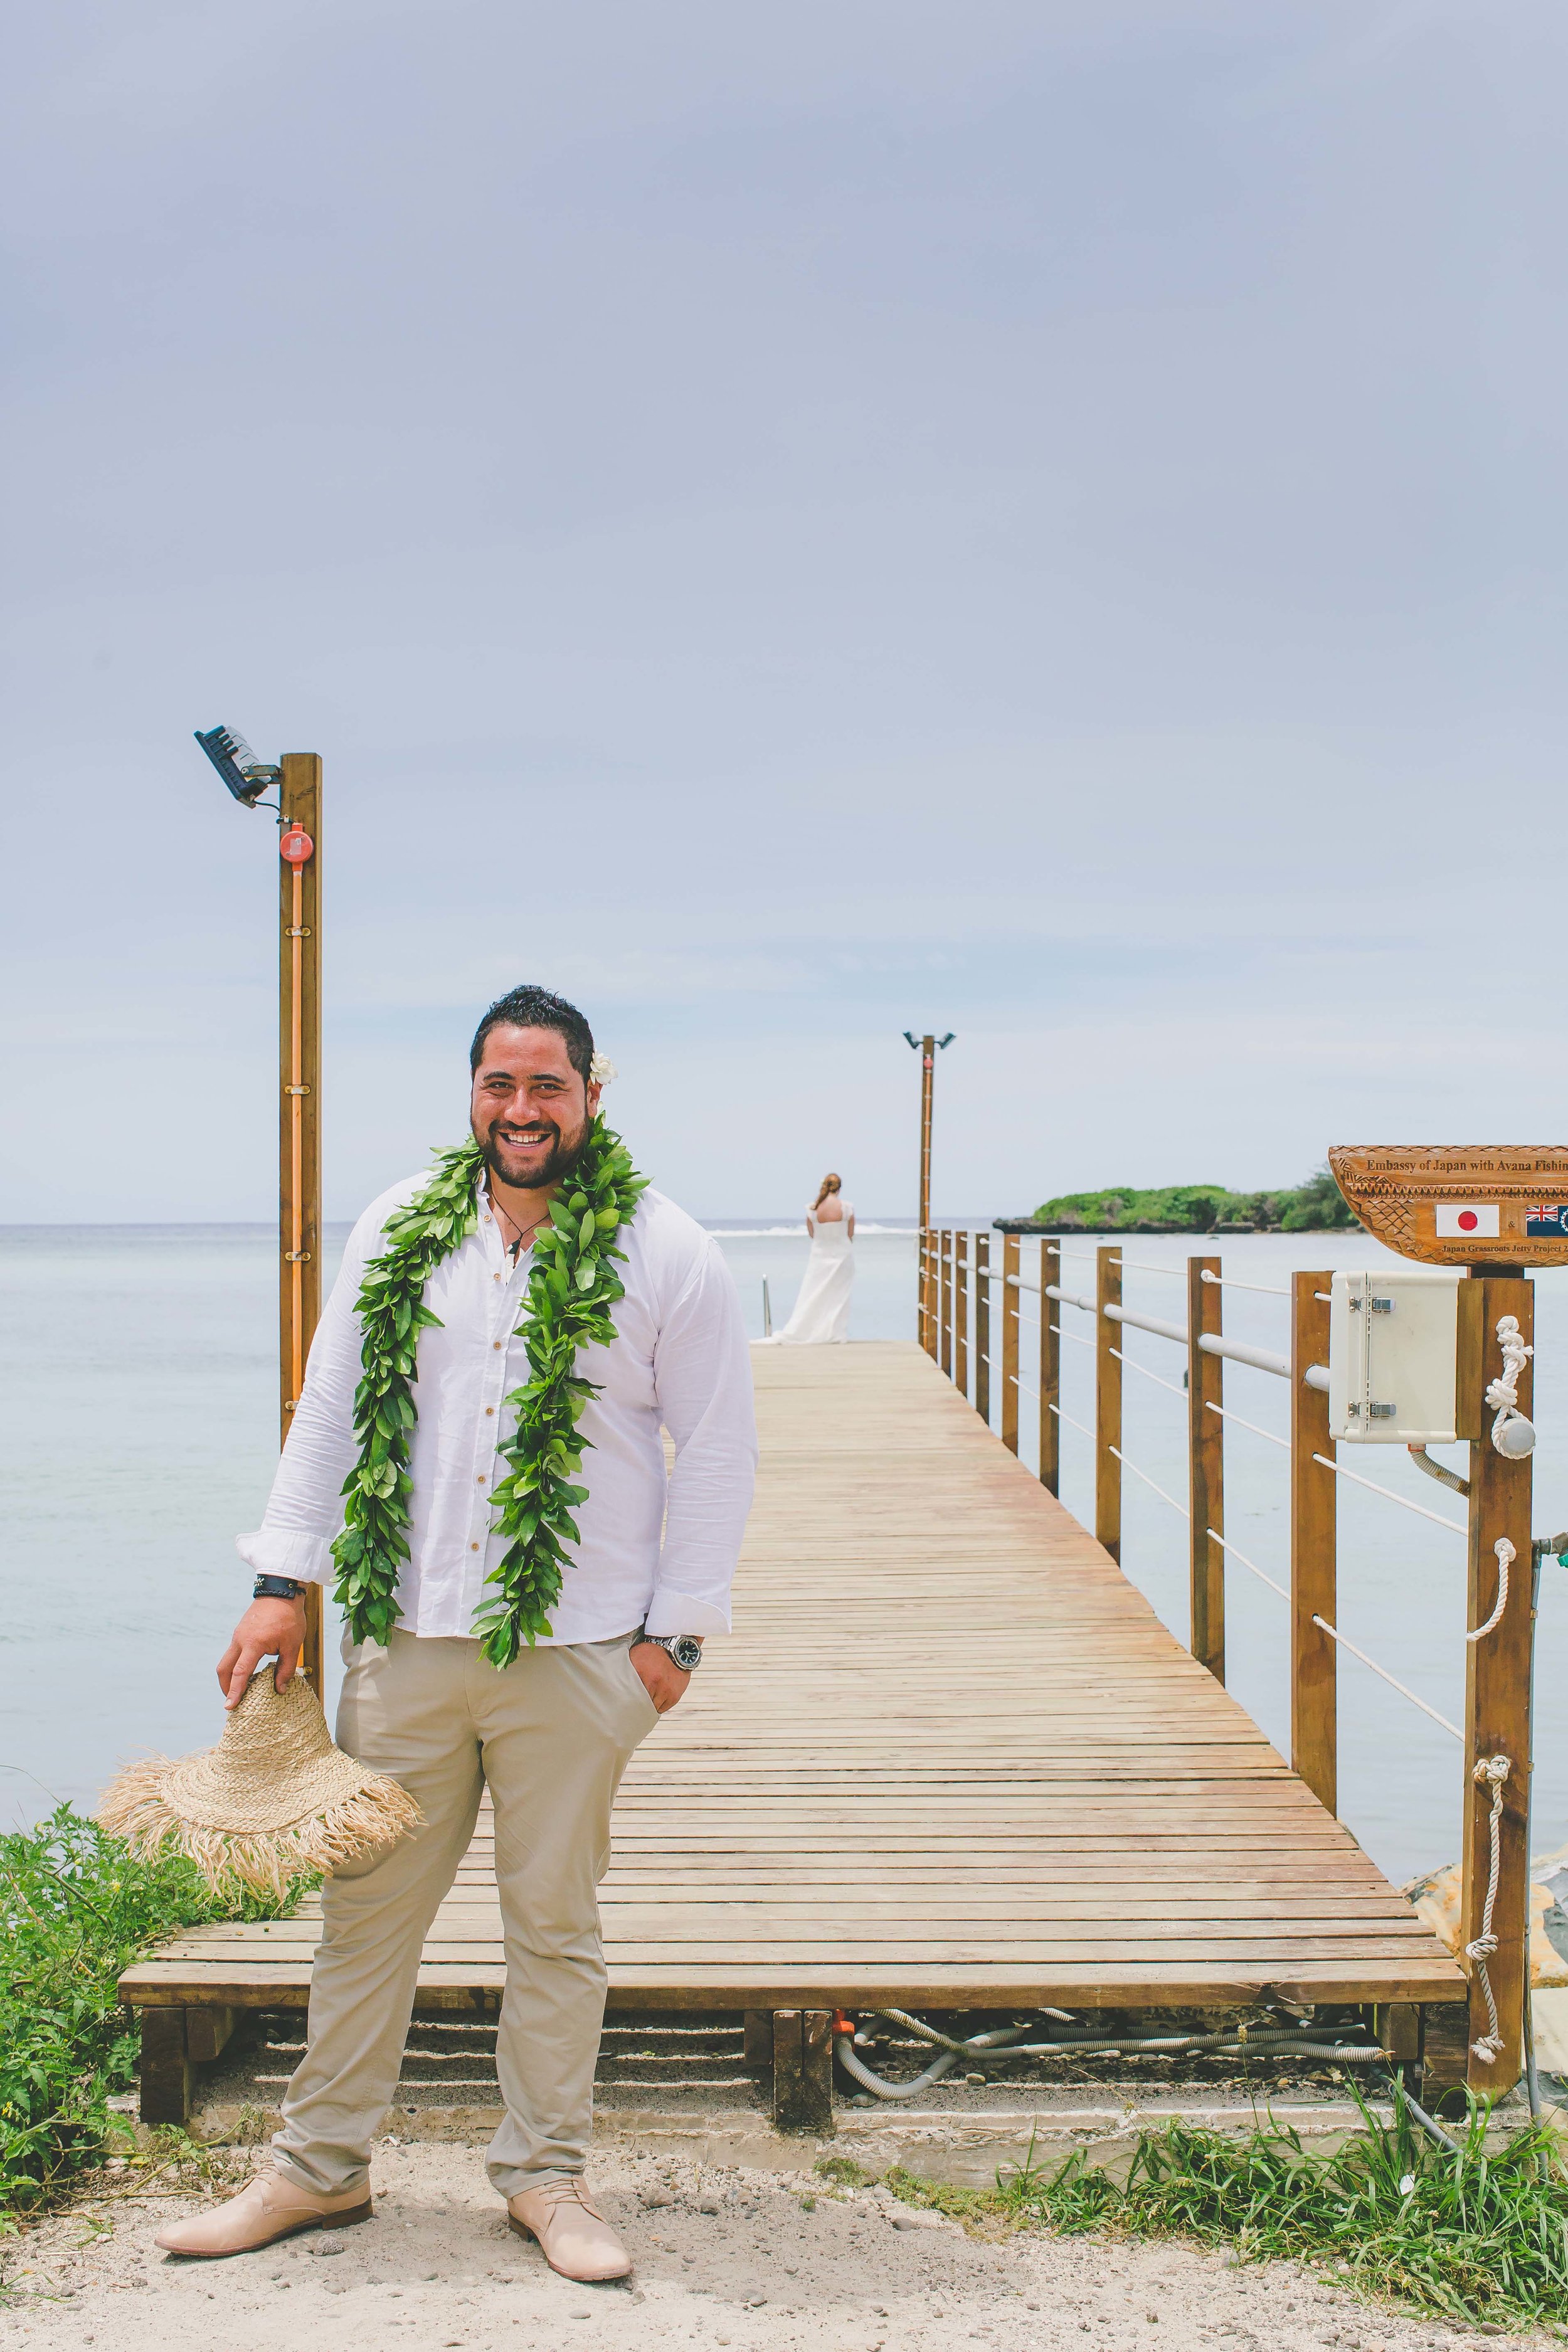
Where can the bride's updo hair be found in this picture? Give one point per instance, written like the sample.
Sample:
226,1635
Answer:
830,1183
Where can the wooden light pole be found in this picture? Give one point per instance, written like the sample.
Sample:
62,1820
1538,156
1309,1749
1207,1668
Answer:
928,1048
298,807
299,1107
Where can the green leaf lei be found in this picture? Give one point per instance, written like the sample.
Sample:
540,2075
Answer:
570,1291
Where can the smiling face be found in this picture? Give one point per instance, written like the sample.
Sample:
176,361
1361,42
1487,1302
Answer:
531,1112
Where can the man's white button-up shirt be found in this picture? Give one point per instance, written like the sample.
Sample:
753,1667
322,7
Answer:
656,1550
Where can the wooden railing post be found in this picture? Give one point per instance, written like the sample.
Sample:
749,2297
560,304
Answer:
1009,1342
945,1244
1497,1678
1206,1470
1314,1504
933,1293
1107,1400
920,1287
983,1326
1050,1367
961,1310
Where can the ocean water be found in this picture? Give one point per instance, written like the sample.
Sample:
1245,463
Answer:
138,1399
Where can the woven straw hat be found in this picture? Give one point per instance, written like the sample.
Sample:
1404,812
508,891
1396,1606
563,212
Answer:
275,1797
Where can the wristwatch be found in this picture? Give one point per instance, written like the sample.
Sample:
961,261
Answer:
276,1588
684,1648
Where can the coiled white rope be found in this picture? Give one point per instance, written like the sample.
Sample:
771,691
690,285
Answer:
1495,1769
1502,1394
1506,1555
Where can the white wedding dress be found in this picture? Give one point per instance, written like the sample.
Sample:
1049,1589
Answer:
822,1311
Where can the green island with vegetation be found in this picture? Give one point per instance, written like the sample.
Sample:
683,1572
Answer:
1318,1206
77,1909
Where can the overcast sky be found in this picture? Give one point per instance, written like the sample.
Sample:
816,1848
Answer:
789,524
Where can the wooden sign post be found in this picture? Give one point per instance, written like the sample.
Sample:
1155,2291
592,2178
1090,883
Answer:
299,1107
1491,1209
1108,1400
1496,1684
1206,1476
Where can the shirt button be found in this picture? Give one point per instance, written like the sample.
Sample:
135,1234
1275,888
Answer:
495,1343
495,1278
489,1409
480,1479
473,1547
486,1216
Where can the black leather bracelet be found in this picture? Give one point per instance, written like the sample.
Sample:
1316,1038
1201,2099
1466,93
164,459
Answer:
276,1588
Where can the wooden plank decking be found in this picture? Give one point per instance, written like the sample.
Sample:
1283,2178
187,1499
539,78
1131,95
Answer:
951,1757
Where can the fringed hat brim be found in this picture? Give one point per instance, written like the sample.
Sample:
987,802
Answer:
136,1808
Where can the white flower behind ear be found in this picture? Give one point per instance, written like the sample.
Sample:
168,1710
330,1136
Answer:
601,1070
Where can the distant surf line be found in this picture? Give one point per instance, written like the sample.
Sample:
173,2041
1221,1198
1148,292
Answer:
795,1231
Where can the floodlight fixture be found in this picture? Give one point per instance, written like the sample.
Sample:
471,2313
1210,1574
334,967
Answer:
939,1043
245,776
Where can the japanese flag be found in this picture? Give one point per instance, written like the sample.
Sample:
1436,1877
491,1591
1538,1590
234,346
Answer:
1467,1219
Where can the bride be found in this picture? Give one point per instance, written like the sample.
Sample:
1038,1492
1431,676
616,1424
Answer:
822,1311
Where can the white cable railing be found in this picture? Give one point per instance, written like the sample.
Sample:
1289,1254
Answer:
1154,1323
1072,1299
1212,1343
1159,1382
1229,1282
1225,1545
1454,1527
1148,1481
1245,1352
1342,1639
1225,1413
1382,1673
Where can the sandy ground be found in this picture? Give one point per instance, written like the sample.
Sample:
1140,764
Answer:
734,2258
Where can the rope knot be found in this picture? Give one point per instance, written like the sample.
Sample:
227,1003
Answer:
1511,1434
1506,1556
1490,1771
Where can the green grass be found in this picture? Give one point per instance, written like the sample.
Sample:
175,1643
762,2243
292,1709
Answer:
76,1909
1474,2235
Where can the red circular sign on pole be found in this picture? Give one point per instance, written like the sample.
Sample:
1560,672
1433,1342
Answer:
296,845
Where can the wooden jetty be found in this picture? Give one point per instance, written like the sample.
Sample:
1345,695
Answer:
951,1758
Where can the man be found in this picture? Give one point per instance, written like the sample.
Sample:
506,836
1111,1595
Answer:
550,1734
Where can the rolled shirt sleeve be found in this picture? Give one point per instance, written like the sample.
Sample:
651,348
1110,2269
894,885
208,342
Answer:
702,1374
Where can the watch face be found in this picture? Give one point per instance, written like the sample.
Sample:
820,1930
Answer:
687,1652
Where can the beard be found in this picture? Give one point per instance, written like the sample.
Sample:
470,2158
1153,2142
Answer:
557,1165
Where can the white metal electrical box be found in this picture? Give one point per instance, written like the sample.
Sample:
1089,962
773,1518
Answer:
1394,1356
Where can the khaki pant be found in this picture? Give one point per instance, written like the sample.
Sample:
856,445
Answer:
551,1737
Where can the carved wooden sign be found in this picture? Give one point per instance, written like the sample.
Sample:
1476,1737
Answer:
1454,1204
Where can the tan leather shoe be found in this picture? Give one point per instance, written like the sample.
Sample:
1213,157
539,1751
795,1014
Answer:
574,2236
270,2208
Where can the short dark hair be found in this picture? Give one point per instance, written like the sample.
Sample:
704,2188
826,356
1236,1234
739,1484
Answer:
536,1008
